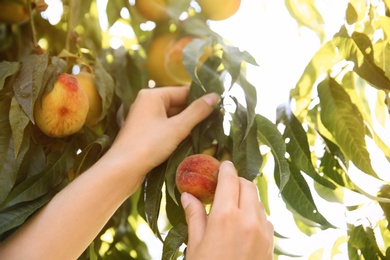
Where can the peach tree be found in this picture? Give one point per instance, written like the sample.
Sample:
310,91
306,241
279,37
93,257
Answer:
319,141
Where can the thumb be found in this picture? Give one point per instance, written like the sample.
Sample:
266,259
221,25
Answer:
195,217
198,110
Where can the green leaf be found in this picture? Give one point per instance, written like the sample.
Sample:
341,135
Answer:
175,212
106,87
7,69
175,238
9,163
298,145
359,50
306,14
251,101
246,153
126,74
297,194
15,216
232,59
192,52
113,10
332,169
342,118
209,77
363,239
268,134
184,150
18,121
91,153
28,82
351,14
55,67
152,195
80,9
208,132
56,171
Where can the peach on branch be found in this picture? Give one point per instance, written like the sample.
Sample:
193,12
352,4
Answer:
219,9
155,63
153,10
63,110
13,12
174,59
87,82
198,175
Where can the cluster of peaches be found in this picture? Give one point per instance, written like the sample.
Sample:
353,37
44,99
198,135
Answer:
165,53
74,100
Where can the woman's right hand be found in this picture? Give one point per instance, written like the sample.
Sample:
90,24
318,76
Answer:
236,228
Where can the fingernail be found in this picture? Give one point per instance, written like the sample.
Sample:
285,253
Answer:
211,99
185,199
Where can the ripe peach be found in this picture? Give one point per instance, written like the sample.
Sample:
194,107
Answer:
153,10
63,110
198,175
13,12
155,63
86,81
219,9
174,59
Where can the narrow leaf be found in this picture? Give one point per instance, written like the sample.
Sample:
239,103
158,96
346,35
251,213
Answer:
15,216
175,238
363,239
152,197
246,153
183,151
7,69
56,171
359,50
341,117
251,101
298,145
191,55
268,134
18,121
106,87
306,14
28,82
297,194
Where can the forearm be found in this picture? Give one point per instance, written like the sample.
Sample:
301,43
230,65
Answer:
73,218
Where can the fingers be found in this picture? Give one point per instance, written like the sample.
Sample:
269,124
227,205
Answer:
195,217
197,111
228,188
249,197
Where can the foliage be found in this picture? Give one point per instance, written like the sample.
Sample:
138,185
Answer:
338,107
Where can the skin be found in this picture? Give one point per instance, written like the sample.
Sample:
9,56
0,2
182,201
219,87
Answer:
65,227
236,216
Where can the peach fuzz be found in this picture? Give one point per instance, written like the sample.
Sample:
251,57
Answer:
198,175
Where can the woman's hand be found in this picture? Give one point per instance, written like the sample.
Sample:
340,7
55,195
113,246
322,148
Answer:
236,228
158,121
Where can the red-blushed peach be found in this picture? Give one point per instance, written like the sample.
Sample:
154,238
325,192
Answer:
63,110
198,175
